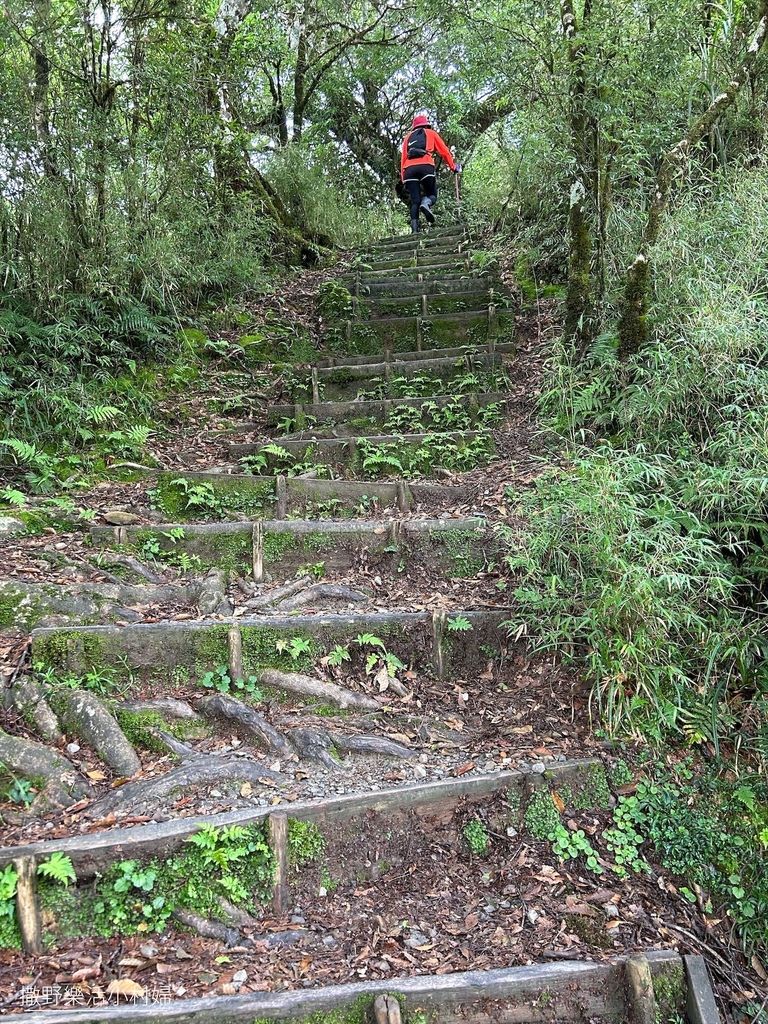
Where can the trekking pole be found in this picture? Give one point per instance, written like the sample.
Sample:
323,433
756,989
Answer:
456,183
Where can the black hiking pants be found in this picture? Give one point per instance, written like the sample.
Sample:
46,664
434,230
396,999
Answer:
420,180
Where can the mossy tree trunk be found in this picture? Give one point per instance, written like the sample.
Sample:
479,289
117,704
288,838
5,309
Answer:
632,324
578,302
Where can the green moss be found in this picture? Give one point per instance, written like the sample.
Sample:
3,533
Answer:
59,649
319,541
464,557
262,649
211,648
670,990
305,842
227,494
275,543
137,726
359,1012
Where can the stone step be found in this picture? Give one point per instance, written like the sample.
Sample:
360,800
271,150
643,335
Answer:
417,259
398,288
450,229
177,653
439,330
450,240
507,347
350,455
347,414
455,301
441,280
477,372
429,270
262,497
276,549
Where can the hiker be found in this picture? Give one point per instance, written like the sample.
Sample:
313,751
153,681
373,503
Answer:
417,168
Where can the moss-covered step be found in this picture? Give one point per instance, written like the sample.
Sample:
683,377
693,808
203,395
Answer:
369,456
407,272
418,260
393,379
177,652
350,414
274,548
26,605
398,287
450,242
316,499
450,229
469,300
186,496
440,330
458,352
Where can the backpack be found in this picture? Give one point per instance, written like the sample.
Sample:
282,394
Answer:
417,143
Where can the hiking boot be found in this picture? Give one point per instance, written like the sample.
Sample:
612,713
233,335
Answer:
426,209
414,226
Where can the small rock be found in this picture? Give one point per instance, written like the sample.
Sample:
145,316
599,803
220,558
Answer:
61,546
424,758
297,919
532,916
115,517
611,910
148,951
240,977
216,792
491,766
330,942
72,748
511,832
416,939
419,771
538,768
9,526
206,978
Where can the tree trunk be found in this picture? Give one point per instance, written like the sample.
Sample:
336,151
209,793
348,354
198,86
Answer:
632,324
578,302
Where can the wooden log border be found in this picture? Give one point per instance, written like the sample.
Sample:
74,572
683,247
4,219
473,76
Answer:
544,992
94,852
165,645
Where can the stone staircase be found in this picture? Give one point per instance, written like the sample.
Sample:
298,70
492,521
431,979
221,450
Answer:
363,487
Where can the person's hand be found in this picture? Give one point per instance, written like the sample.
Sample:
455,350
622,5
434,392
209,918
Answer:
457,169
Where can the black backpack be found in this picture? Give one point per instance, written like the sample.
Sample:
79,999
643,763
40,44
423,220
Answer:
417,143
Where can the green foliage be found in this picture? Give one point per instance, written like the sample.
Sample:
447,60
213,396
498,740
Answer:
459,624
305,842
21,792
712,833
620,774
410,460
219,679
57,868
338,655
541,817
152,547
476,837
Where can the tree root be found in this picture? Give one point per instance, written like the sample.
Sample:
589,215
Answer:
84,715
30,760
254,724
210,929
26,696
166,707
269,599
201,769
118,558
320,592
370,745
295,682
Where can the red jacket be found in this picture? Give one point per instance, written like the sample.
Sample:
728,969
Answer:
434,144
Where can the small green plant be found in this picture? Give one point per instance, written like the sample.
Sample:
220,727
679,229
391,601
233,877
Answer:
21,792
568,845
541,817
57,868
297,647
620,774
476,837
315,569
380,657
128,902
152,548
338,655
220,680
459,624
305,842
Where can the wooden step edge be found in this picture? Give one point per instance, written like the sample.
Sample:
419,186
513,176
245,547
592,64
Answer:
94,852
576,991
